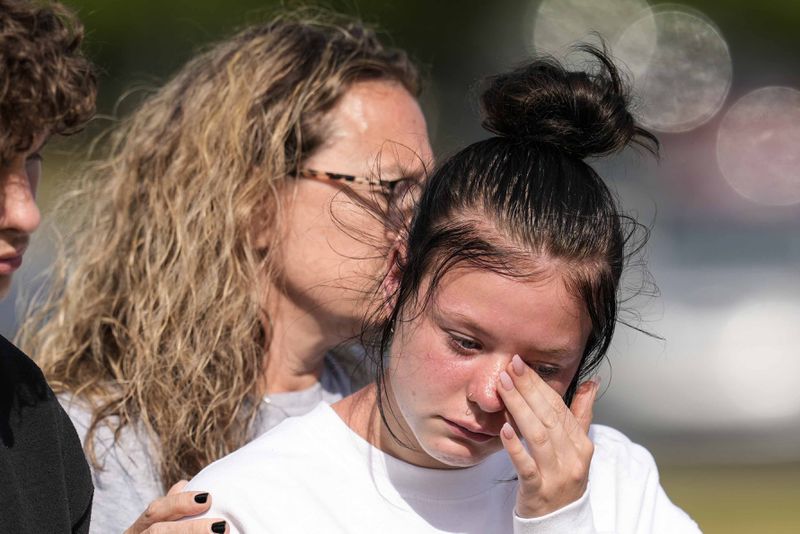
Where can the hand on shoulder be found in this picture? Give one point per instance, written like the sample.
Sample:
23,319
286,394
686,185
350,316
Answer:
163,515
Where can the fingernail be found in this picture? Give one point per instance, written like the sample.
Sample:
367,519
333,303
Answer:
507,431
505,379
218,527
518,365
201,498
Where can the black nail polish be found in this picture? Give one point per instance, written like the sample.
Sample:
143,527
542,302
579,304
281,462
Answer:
201,498
218,527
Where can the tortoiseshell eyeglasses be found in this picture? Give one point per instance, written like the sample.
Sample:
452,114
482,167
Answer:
393,190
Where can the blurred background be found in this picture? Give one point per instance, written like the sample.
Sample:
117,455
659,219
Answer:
713,396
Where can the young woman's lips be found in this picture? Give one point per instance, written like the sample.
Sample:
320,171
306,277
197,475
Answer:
462,432
9,264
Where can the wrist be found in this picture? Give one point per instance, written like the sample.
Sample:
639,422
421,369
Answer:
574,517
533,508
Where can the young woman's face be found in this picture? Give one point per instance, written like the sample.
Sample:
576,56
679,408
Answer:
333,249
445,361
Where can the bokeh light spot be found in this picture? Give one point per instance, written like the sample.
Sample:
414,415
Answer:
758,146
681,73
757,359
560,23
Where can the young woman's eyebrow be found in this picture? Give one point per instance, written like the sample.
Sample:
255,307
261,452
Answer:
552,352
451,316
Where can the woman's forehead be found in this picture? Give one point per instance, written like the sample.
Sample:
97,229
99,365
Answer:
377,128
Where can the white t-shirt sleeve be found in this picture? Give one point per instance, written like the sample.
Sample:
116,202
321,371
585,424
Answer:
575,518
624,496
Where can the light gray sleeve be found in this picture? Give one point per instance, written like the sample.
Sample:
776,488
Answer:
127,480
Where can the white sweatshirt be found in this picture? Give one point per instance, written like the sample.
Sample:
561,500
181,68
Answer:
312,474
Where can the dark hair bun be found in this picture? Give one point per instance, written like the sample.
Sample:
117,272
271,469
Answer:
583,114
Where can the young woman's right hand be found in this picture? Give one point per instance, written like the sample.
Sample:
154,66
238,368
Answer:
162,515
553,469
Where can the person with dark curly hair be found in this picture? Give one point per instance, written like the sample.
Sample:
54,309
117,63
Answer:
47,87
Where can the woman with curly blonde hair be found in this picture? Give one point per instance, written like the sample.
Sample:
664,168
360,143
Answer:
215,266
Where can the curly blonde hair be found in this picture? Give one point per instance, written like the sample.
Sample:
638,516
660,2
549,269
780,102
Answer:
159,297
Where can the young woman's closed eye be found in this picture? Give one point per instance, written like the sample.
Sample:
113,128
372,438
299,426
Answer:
464,345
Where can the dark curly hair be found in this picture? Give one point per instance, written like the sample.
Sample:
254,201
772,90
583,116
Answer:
46,84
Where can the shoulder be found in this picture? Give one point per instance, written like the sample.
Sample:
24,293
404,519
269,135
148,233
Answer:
620,466
28,399
20,376
625,490
131,446
293,441
614,447
270,484
81,412
28,405
12,357
278,467
124,467
619,461
40,450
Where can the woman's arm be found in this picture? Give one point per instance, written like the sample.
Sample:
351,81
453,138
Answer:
125,477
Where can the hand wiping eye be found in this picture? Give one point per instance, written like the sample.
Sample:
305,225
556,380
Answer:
557,438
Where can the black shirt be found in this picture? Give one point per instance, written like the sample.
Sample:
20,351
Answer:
45,483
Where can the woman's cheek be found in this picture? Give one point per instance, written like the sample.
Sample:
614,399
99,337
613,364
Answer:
434,376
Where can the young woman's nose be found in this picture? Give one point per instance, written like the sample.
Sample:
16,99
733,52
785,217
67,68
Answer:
18,210
483,389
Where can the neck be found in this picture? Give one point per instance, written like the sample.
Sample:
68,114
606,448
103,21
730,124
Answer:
360,412
296,353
